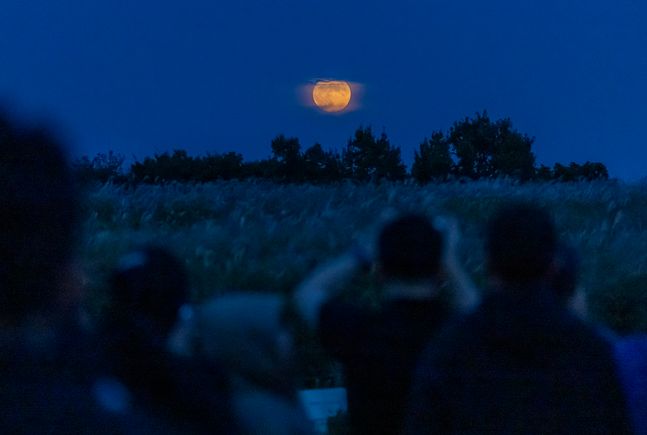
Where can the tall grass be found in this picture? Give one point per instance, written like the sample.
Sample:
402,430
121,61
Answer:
263,236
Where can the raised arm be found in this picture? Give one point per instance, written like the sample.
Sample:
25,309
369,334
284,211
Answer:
464,296
326,282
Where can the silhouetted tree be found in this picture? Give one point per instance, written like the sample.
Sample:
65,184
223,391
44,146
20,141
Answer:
487,149
369,159
472,142
266,169
566,173
575,172
512,154
480,148
321,166
287,154
432,160
219,167
101,169
594,171
164,167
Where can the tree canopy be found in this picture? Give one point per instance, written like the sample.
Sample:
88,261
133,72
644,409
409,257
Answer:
473,148
486,149
367,158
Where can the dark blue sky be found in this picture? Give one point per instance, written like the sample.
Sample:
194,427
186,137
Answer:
146,76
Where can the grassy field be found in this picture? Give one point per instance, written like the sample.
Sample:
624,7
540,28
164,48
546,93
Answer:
263,236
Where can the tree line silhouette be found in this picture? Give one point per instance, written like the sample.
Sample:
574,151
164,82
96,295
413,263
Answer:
472,149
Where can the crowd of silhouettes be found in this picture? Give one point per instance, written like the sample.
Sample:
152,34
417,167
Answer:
437,355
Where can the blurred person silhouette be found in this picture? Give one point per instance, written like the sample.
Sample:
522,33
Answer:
521,362
45,380
248,336
631,356
151,367
149,288
630,351
378,348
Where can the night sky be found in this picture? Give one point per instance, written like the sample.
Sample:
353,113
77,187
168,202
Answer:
143,76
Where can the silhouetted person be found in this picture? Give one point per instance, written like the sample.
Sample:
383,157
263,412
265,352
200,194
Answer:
149,289
631,355
247,335
521,363
378,349
44,379
631,351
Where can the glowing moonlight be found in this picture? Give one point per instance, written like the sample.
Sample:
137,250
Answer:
331,95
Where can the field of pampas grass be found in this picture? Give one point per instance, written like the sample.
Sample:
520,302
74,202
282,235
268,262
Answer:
264,236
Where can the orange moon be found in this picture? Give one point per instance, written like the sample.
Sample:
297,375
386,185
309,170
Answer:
331,95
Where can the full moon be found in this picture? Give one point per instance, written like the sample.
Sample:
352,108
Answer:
331,95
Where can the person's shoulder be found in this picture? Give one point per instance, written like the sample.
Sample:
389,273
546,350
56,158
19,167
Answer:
632,348
337,313
198,394
342,326
450,342
588,337
338,306
416,308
